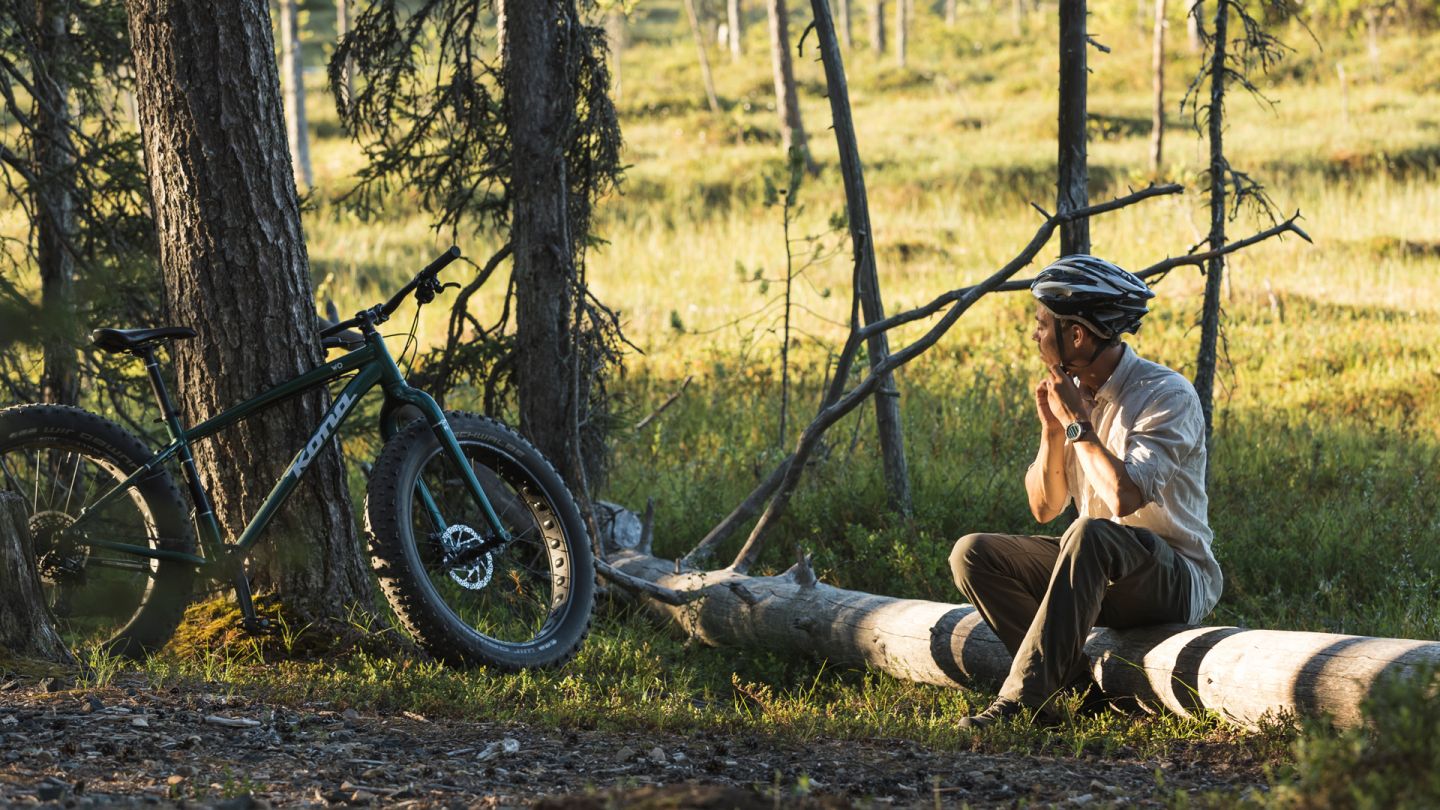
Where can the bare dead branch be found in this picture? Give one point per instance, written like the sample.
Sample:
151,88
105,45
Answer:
667,403
737,518
635,584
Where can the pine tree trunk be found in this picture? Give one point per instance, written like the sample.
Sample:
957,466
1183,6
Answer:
1157,112
877,25
950,13
787,103
292,69
1215,269
843,8
235,268
700,48
735,17
1194,11
539,100
902,31
1017,16
1073,186
55,204
27,630
618,40
342,28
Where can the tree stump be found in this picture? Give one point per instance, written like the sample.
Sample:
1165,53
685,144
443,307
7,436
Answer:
26,628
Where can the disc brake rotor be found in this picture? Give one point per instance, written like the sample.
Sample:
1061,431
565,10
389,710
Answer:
456,539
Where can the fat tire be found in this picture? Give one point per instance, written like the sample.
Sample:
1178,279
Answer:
401,572
160,610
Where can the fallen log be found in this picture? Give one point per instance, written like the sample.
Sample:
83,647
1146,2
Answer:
1241,674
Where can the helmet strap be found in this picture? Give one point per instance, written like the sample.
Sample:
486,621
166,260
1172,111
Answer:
1069,367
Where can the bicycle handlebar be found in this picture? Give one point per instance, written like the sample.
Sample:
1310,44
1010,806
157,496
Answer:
382,312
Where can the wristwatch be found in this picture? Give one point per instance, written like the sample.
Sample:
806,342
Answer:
1075,431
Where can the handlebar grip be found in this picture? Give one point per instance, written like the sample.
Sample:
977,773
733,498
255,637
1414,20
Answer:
439,264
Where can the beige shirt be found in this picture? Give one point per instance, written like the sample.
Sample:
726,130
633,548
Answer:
1149,417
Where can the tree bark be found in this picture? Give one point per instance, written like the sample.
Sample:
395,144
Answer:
1073,184
342,28
843,8
539,101
877,25
1157,112
1215,270
1241,674
293,70
27,630
735,17
866,276
787,102
700,48
235,268
54,155
902,31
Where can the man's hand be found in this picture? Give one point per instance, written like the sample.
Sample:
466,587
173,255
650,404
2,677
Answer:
1048,421
1064,399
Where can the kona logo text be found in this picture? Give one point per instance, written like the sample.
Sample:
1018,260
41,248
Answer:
332,420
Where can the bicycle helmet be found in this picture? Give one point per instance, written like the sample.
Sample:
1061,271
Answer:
1084,288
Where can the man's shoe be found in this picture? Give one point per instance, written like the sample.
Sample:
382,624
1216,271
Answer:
1001,709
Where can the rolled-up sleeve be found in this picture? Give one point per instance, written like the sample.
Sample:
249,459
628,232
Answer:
1168,429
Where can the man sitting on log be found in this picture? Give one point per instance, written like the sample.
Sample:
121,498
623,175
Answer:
1125,439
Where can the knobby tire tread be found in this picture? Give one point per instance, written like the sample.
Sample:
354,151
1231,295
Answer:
155,620
399,580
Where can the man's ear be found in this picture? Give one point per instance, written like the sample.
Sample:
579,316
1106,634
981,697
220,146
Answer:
1075,334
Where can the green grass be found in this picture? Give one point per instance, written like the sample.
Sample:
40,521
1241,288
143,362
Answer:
1324,496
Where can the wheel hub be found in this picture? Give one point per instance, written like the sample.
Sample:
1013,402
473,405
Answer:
57,556
473,574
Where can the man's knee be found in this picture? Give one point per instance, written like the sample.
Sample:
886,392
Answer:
1087,535
970,552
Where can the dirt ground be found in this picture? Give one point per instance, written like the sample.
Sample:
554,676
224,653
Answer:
131,746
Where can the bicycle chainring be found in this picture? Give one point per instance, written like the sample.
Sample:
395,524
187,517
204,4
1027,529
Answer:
458,538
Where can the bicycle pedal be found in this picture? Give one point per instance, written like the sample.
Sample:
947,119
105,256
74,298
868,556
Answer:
258,627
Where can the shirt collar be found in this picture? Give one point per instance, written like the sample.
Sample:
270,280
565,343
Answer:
1119,377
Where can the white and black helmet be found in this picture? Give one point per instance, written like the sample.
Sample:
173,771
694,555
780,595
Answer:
1094,292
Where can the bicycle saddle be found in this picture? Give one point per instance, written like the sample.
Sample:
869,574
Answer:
129,340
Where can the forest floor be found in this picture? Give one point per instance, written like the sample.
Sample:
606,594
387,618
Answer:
129,744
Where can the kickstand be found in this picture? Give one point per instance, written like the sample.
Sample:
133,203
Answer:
249,621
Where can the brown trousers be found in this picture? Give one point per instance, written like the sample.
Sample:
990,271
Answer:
1041,595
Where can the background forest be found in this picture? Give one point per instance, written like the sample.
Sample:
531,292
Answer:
713,253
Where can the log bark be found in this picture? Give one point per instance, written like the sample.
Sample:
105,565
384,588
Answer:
293,70
27,630
1073,185
787,101
866,276
235,268
1243,675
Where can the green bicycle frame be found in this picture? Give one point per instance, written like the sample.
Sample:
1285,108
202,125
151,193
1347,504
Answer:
374,366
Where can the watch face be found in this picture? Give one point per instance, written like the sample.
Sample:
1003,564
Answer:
1073,431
